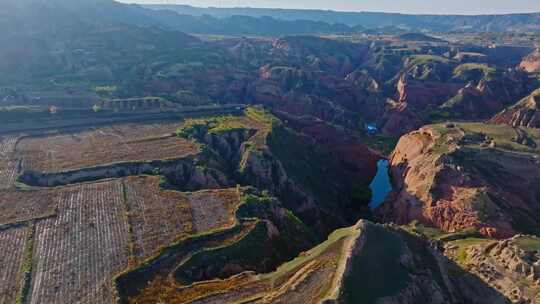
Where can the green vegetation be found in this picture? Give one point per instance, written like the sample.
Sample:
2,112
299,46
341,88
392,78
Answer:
504,137
106,89
262,116
467,67
262,207
528,243
433,233
309,166
463,244
424,59
196,128
27,266
440,115
96,108
382,143
192,129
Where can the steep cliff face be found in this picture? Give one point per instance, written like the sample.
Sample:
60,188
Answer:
415,97
523,114
366,263
399,118
433,88
313,167
423,93
458,176
315,182
302,92
491,94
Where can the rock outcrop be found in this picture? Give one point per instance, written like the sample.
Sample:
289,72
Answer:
510,266
458,176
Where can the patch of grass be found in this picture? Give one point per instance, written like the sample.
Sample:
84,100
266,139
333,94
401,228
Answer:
467,67
418,229
27,266
528,243
381,143
504,136
423,59
260,115
463,244
437,116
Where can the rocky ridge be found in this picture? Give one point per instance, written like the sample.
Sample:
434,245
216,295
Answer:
510,266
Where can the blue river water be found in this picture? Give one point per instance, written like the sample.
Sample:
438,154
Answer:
381,185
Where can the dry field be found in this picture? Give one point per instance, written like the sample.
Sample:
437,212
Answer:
157,217
8,161
213,209
78,251
21,205
13,243
95,230
123,143
85,234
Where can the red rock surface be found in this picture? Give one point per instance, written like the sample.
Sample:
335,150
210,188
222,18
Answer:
454,178
525,113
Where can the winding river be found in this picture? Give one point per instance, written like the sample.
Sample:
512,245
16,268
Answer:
381,185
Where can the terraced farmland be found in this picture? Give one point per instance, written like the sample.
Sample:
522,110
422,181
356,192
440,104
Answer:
11,258
78,251
213,209
307,279
102,236
21,205
123,143
8,162
156,217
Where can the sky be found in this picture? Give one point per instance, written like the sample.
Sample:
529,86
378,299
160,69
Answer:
402,6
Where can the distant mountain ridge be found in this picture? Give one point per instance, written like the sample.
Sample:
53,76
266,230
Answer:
509,22
65,17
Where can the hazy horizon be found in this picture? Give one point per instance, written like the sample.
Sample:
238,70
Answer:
461,7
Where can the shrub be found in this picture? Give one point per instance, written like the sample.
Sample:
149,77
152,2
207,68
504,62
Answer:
361,194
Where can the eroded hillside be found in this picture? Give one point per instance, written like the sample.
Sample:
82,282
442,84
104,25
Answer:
175,203
366,263
457,175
